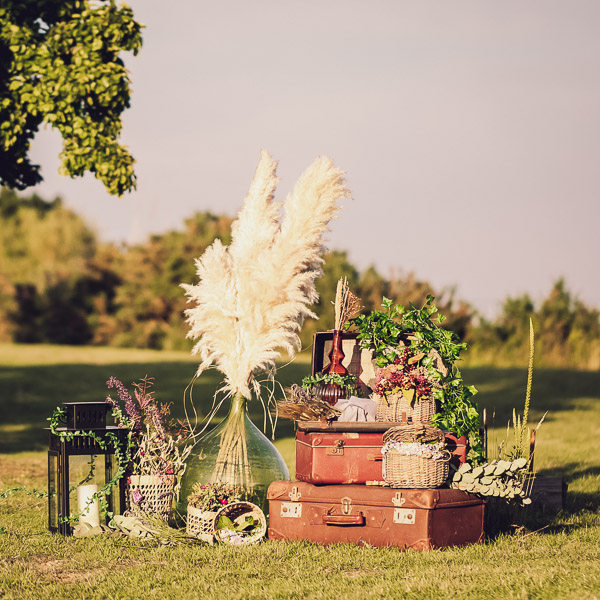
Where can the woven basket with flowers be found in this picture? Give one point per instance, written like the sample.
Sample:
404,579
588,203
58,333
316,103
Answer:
205,501
402,389
240,524
414,456
156,461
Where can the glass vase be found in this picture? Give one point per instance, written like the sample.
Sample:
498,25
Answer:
235,452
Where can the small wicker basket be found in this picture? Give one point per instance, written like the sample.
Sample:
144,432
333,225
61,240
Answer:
237,512
410,471
150,494
394,406
201,523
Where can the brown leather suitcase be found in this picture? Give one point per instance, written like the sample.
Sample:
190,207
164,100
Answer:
377,516
344,452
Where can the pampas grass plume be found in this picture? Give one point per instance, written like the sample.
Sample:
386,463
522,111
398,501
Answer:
253,296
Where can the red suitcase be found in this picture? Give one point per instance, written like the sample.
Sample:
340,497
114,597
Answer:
343,452
378,516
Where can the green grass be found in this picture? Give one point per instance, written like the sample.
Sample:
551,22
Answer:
559,561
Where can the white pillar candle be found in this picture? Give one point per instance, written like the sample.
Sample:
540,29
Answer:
91,510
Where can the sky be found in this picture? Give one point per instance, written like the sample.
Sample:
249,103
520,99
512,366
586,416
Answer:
469,131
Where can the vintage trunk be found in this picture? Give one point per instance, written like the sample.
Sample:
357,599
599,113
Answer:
343,452
378,516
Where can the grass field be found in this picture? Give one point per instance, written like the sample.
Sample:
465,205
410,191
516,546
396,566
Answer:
561,560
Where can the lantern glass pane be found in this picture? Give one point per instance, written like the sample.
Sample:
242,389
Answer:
115,496
53,490
86,476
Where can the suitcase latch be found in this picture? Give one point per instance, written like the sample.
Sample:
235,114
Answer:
291,509
346,505
295,495
398,500
405,516
337,450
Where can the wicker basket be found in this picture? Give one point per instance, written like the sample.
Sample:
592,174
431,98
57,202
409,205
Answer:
150,494
402,471
409,471
201,523
237,512
394,406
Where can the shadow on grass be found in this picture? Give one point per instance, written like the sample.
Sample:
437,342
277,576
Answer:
29,394
502,389
577,500
502,518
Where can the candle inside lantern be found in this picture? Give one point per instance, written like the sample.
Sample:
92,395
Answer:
90,508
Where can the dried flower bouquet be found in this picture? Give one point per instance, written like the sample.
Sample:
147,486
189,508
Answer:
156,448
156,461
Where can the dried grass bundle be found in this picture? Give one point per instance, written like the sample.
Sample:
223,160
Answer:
347,304
305,405
253,296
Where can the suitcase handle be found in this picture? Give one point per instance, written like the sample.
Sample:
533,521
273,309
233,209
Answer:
358,519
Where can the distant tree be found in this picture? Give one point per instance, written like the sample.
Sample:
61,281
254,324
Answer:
41,242
372,287
59,64
336,266
567,332
149,301
50,279
568,327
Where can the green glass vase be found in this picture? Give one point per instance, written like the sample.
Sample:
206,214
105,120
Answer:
234,452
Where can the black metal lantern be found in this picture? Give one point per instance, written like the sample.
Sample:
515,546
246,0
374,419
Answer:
82,462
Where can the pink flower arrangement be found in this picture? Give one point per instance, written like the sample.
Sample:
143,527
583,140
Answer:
403,373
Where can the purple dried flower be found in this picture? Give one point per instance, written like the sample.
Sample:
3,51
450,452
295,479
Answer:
130,408
137,496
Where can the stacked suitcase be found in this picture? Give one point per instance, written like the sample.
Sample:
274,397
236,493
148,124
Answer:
339,498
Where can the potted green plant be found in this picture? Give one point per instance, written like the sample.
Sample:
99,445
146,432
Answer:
320,381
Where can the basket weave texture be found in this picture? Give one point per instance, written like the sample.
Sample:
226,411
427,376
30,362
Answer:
410,471
156,495
414,432
200,523
421,410
237,512
402,471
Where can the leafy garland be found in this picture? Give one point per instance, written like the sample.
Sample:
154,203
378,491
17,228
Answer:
349,382
382,331
123,456
29,492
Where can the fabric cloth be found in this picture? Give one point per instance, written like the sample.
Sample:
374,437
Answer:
356,409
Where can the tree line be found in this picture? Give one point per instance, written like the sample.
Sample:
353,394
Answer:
60,284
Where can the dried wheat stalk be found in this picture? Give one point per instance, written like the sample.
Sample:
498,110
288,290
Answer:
347,304
305,405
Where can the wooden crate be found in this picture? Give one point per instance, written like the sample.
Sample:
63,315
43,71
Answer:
549,491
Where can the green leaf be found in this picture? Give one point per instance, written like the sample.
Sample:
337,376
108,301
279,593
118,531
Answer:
224,522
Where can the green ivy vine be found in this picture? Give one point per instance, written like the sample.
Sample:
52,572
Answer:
382,331
122,453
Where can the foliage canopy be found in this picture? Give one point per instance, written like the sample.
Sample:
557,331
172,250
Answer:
59,284
60,65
